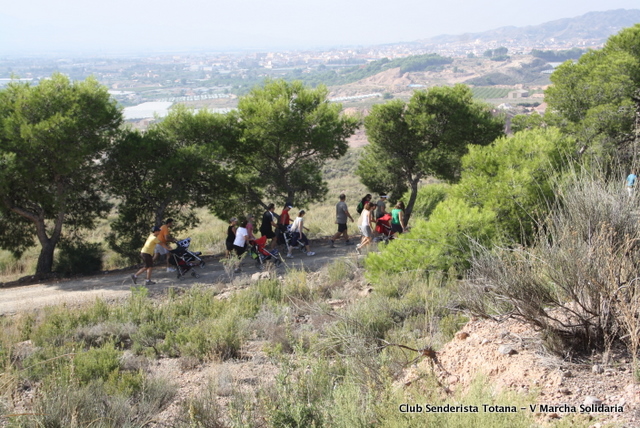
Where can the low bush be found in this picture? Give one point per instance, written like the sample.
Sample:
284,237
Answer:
96,363
65,404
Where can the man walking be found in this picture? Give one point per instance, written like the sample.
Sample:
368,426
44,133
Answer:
381,206
165,237
342,214
147,255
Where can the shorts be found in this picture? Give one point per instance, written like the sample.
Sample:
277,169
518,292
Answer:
160,250
229,245
147,259
366,231
396,228
270,234
342,227
239,250
300,238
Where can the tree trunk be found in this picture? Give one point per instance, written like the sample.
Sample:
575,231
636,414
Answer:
45,259
159,214
412,200
48,244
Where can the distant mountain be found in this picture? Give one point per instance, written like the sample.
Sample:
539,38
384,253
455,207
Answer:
592,26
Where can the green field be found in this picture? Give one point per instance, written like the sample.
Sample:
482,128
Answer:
490,92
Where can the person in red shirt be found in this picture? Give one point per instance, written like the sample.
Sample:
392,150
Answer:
283,222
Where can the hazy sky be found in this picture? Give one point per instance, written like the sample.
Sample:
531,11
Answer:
40,26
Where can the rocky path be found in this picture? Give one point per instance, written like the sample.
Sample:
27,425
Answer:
117,284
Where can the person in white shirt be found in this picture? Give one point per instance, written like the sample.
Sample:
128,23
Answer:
365,221
240,243
297,228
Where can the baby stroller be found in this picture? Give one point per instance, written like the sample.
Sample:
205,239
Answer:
184,260
383,228
261,254
291,240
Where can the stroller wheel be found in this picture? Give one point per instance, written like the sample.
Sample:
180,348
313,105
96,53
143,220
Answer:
194,274
201,265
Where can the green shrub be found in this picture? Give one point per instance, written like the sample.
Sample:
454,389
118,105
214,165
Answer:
296,287
270,289
438,244
451,324
219,338
79,258
96,363
428,198
513,177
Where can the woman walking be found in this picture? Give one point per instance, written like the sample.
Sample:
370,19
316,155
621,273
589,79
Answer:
365,221
397,219
363,203
298,229
231,235
240,243
249,226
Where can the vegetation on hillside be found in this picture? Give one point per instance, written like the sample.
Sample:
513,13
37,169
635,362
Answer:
529,73
427,62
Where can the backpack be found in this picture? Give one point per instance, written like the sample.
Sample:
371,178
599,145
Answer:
360,207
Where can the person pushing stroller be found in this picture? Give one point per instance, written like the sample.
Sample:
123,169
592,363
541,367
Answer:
297,230
147,255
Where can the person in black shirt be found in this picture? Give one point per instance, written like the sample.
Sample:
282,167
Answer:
231,235
269,221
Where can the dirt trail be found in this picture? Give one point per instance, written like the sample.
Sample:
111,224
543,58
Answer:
117,285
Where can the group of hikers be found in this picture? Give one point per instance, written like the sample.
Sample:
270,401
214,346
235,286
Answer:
274,227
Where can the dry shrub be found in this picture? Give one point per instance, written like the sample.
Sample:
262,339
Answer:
578,283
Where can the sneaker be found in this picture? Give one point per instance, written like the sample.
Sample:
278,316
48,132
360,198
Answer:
237,271
289,256
148,282
358,250
348,243
170,269
311,253
332,244
134,278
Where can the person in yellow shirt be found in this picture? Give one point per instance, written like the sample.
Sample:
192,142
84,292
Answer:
147,255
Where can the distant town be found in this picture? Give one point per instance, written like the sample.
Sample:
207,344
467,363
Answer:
147,86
